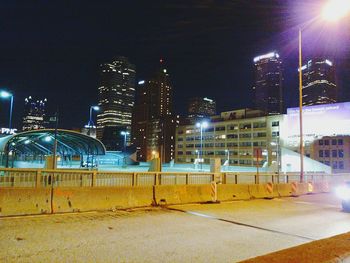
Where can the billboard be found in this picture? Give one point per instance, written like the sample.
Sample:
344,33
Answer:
319,121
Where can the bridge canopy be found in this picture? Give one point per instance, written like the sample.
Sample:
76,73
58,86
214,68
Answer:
42,142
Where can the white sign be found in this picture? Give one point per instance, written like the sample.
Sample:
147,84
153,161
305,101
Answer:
8,131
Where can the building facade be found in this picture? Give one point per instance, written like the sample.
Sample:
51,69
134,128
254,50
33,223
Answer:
116,99
333,151
153,132
234,136
34,114
319,86
200,108
268,83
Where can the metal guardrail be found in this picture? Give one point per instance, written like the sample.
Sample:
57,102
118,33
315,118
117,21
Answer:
12,177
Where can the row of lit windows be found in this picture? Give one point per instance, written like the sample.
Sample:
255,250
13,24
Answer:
333,141
335,164
232,161
228,145
224,136
335,153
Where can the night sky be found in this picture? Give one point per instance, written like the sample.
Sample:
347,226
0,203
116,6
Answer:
53,49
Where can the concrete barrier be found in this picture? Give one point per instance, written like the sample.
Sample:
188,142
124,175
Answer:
333,249
24,201
231,192
182,194
300,189
320,187
262,191
284,190
73,199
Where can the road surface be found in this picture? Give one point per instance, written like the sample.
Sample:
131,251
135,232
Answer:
226,232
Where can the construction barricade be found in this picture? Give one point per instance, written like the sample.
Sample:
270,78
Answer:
301,188
284,190
263,190
320,187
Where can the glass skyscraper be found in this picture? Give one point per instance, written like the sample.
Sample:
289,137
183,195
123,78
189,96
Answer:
319,85
268,83
116,98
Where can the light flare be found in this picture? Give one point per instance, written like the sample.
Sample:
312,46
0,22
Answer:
336,9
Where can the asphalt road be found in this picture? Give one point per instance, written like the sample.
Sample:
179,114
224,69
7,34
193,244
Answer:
226,232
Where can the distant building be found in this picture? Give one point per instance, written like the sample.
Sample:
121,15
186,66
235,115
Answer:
333,151
319,85
116,100
233,136
34,114
200,108
154,124
268,83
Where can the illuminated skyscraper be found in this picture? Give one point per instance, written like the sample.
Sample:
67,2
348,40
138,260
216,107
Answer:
200,108
116,98
319,85
34,114
153,121
268,83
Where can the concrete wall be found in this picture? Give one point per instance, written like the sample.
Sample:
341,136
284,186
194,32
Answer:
73,199
28,201
25,201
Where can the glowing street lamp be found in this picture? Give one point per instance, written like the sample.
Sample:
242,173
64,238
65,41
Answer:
124,133
333,11
202,125
95,108
154,154
5,95
228,156
197,152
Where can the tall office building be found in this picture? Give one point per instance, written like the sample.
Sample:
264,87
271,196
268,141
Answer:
34,114
154,124
200,108
268,83
116,98
319,85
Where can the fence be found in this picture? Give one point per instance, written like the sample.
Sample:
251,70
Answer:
10,177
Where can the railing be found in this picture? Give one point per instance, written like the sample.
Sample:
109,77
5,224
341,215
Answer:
10,177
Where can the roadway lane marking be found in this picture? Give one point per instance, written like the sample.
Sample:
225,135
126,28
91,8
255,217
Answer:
316,204
241,224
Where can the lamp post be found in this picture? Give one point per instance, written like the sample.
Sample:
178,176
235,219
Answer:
5,95
91,122
201,125
124,133
197,152
333,11
228,157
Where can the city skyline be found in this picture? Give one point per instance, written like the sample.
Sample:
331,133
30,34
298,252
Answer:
214,64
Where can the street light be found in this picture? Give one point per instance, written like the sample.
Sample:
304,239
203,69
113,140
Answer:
333,11
154,154
201,125
197,152
228,156
5,95
124,133
91,122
